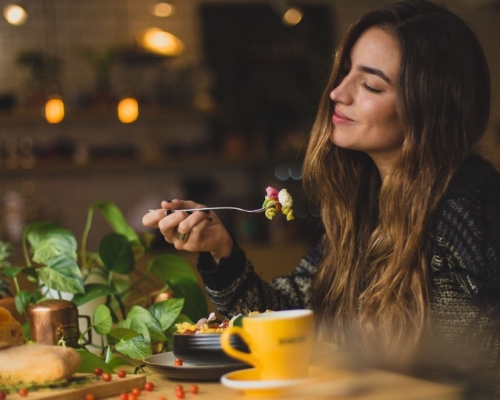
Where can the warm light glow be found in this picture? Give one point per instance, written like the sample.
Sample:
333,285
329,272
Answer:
54,111
15,15
163,9
292,16
161,42
128,110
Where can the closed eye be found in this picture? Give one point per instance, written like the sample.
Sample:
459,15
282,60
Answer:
370,89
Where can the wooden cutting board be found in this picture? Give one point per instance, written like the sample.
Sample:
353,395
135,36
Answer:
99,388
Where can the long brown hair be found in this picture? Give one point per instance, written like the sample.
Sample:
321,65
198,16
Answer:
372,285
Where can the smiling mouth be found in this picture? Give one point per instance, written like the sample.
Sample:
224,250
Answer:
339,118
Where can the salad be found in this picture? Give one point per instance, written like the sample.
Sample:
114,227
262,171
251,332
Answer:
211,324
278,202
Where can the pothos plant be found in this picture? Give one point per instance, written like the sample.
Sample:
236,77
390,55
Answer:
130,322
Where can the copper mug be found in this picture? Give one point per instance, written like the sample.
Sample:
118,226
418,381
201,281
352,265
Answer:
54,321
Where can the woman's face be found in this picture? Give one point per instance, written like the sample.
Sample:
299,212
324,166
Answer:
365,117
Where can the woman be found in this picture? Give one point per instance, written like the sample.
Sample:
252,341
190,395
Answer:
410,261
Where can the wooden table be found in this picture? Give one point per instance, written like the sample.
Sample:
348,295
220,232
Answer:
370,385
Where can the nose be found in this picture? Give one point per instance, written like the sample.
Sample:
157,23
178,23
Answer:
340,94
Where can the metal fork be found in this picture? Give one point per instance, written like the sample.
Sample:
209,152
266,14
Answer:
257,210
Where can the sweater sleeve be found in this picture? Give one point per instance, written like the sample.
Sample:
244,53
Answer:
234,287
465,285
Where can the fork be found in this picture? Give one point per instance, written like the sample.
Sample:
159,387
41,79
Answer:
257,210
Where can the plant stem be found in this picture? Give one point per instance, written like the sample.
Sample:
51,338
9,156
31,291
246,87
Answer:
25,251
85,234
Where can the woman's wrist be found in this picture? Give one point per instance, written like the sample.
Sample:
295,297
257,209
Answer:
224,251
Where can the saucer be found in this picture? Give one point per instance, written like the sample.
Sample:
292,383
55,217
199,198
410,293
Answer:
339,382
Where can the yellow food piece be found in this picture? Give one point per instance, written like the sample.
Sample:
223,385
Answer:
11,331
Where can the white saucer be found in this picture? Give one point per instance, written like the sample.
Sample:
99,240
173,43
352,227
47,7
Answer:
247,381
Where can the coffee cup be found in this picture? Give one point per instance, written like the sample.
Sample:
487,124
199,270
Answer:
279,343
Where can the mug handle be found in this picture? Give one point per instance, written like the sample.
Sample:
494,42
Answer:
89,331
225,341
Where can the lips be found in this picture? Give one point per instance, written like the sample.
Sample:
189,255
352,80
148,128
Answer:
340,118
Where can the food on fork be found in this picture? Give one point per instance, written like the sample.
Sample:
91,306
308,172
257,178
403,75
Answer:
276,202
11,331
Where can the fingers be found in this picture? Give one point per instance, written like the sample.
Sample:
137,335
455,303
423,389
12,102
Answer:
153,217
177,226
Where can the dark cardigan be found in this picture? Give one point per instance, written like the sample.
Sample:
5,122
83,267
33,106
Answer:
464,280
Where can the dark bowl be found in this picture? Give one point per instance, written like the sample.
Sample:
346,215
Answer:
205,349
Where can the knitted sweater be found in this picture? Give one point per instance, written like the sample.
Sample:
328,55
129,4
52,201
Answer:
464,281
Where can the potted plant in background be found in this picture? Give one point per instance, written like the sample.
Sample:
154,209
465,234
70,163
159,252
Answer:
131,323
6,297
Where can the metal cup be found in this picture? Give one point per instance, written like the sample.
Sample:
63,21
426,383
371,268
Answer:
52,321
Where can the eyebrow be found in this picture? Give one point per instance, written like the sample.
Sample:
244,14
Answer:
374,71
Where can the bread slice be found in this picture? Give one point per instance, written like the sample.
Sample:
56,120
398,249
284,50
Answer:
37,363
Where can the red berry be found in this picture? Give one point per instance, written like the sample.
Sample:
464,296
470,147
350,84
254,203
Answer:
124,396
194,389
180,394
136,391
132,396
90,396
178,362
106,377
23,392
179,388
149,386
122,373
98,371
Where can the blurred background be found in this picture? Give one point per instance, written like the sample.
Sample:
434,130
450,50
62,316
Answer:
138,101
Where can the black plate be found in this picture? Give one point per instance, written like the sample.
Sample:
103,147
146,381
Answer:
163,364
205,349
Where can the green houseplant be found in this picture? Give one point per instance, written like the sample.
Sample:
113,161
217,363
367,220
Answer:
133,324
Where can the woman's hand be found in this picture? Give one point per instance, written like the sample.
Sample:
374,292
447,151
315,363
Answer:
194,231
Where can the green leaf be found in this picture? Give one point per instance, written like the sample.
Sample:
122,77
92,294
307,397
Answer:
35,232
135,348
138,313
117,362
122,333
168,266
238,321
93,291
114,217
166,312
116,253
63,274
91,361
140,327
22,300
48,239
101,320
57,242
195,303
11,272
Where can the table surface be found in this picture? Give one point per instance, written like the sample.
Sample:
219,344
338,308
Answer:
368,385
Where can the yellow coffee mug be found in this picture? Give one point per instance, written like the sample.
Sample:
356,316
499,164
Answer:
280,343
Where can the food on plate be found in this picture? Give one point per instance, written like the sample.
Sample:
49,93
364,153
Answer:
11,331
204,325
276,202
37,363
209,325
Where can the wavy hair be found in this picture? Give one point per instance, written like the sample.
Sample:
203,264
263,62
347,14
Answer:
372,285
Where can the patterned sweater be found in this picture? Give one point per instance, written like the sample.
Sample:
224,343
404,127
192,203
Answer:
464,282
